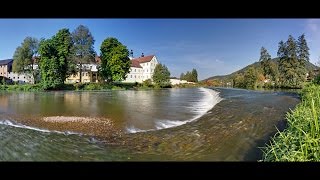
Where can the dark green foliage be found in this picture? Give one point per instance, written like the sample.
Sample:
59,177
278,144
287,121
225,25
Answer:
147,83
161,76
293,56
24,55
265,60
250,78
82,49
190,76
115,62
194,75
24,87
182,76
54,59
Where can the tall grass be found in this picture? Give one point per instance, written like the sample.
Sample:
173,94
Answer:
300,140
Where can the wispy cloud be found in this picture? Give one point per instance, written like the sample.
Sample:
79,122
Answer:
312,29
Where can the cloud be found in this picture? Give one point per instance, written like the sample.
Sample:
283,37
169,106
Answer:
312,29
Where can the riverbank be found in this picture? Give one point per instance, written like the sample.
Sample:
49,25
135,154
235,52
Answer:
300,140
91,87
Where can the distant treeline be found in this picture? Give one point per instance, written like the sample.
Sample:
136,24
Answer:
190,76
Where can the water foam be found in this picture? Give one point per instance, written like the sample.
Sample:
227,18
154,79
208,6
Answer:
207,102
18,125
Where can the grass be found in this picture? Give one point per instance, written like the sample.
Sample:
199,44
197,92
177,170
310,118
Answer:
21,87
300,140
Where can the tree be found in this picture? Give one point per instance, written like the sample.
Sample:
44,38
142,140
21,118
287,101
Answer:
303,49
55,58
115,62
24,57
264,60
83,51
182,76
303,57
194,75
250,77
161,76
293,55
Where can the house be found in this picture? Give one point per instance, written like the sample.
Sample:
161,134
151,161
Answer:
5,67
89,73
7,73
142,68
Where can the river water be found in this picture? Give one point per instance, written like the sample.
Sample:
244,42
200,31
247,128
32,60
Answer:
192,124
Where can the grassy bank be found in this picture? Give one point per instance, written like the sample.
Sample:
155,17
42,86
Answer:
93,87
72,87
300,140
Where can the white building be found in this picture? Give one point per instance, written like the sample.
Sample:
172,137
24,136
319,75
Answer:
177,81
141,69
20,78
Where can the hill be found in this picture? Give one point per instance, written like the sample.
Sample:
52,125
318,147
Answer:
309,66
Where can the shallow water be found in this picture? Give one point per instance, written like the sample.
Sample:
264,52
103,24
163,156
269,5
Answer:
172,124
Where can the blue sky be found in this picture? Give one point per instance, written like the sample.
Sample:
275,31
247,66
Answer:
212,46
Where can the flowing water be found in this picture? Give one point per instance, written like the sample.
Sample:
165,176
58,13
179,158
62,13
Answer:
203,124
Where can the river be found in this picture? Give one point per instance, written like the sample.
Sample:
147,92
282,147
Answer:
192,124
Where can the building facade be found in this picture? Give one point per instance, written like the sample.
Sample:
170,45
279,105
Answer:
141,69
89,74
11,77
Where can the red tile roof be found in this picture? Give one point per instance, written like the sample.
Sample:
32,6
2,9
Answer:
144,59
135,63
97,59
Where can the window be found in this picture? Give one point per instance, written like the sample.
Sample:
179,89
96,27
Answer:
86,74
14,77
147,70
1,73
18,77
135,76
131,76
134,70
24,77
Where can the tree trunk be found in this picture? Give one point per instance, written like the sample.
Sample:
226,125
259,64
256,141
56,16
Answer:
80,70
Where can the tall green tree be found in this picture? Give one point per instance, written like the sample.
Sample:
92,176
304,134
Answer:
161,76
291,68
194,75
264,60
182,76
303,49
303,57
115,62
55,55
24,57
250,77
82,49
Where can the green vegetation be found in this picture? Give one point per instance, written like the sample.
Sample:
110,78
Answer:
190,76
22,87
115,62
161,76
288,70
24,57
54,59
82,49
300,141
